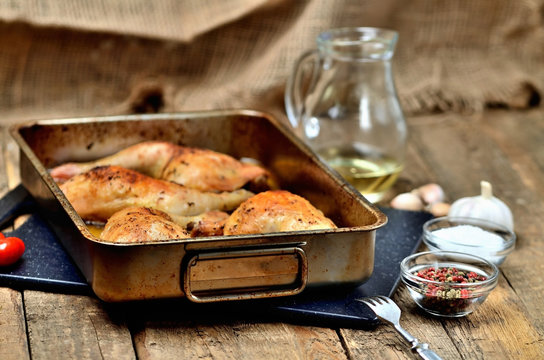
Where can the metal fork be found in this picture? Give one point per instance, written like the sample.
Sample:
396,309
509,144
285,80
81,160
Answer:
388,311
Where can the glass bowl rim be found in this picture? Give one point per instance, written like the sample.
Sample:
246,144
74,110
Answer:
431,240
490,281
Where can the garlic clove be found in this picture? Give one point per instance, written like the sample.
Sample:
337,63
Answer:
407,201
431,193
439,209
485,206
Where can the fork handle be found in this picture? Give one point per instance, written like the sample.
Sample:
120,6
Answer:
422,349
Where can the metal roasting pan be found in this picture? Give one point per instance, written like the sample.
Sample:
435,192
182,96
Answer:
205,269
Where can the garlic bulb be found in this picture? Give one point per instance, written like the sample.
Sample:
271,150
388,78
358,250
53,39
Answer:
484,206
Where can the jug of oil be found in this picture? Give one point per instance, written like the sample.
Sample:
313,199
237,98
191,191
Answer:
341,100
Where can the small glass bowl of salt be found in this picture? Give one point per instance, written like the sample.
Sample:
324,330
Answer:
478,237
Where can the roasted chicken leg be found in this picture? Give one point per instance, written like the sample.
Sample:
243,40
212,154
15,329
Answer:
194,168
149,158
275,211
140,224
102,191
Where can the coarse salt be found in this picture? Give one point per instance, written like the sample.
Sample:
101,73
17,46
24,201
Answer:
462,237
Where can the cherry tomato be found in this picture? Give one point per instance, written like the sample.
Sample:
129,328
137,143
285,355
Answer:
11,249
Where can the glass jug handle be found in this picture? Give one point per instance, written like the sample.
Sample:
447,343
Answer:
294,98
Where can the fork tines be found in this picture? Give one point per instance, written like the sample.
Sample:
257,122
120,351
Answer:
383,307
376,300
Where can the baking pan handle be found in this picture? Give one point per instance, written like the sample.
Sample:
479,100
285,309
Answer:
245,274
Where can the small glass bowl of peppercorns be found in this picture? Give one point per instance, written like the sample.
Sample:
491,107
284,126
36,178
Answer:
447,283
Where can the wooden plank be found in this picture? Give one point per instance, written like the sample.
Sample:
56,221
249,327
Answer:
495,150
457,152
59,326
499,329
526,279
520,136
74,327
235,340
11,160
13,339
384,342
494,146
462,151
3,172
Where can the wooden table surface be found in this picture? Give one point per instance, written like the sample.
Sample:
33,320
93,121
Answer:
503,147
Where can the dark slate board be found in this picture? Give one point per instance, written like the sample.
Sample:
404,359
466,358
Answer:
46,266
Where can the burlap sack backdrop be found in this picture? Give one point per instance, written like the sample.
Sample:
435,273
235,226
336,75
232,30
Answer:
63,58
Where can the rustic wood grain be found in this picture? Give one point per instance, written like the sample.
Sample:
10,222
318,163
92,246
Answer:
385,343
3,173
164,340
74,327
456,151
13,337
11,160
521,138
528,283
494,147
13,341
499,329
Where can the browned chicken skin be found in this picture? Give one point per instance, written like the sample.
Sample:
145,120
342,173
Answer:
271,211
102,191
149,158
275,211
141,196
210,223
194,168
140,224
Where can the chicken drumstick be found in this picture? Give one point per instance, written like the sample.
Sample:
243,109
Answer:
102,191
275,211
200,169
140,224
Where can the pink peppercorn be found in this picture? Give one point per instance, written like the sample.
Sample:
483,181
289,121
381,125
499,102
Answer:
446,297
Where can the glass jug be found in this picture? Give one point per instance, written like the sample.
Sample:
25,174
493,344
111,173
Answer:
347,109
